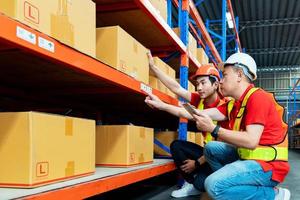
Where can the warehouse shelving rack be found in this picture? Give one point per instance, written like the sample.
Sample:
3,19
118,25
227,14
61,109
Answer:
34,78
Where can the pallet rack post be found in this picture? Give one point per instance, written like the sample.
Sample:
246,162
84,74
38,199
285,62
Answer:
184,61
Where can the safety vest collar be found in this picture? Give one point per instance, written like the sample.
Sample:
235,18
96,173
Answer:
245,93
202,105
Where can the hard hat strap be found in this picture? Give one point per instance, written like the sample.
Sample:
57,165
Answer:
245,70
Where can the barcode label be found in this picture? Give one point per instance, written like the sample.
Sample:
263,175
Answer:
26,35
46,44
146,88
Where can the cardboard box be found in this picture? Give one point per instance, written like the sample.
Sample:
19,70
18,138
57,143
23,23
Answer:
157,84
166,138
72,22
192,43
161,8
39,149
201,56
118,49
123,145
191,87
172,74
161,65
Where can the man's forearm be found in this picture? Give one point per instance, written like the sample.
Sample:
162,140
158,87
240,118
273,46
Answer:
238,138
177,111
169,82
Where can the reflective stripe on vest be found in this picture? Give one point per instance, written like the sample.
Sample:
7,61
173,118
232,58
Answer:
262,152
208,137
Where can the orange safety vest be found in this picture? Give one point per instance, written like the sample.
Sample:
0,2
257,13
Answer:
268,152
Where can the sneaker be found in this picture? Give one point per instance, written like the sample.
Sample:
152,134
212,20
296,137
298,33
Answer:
187,189
282,194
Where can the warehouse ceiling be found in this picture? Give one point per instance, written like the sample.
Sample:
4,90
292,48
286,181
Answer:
269,29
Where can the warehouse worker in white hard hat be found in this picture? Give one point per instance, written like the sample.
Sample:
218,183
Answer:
254,159
188,156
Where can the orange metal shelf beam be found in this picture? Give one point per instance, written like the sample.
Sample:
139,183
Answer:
71,58
85,190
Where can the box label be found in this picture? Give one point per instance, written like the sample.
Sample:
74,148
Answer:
132,157
46,44
26,35
146,88
42,169
31,13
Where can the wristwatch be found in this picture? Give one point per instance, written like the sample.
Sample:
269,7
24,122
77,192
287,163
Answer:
214,133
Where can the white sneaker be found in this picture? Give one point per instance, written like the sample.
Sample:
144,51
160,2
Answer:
187,189
283,194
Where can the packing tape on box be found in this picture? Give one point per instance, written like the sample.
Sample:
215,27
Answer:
143,133
70,169
132,157
61,26
68,126
135,47
123,66
141,158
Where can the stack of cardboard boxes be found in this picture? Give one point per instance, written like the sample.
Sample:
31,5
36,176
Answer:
202,57
192,43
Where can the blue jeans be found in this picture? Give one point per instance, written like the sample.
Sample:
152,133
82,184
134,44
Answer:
236,179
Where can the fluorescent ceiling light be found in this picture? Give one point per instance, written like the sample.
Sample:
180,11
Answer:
229,20
230,24
228,16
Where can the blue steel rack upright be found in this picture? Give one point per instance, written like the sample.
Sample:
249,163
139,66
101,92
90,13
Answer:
184,30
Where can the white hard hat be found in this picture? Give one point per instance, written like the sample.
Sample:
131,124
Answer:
244,61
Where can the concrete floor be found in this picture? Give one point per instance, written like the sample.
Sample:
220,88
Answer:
160,188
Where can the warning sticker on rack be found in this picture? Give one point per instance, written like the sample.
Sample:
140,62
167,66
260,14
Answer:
26,35
146,88
46,44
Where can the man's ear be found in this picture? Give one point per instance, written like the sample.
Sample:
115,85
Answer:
240,74
216,85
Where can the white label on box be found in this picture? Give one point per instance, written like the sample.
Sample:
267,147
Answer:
146,88
46,44
26,35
